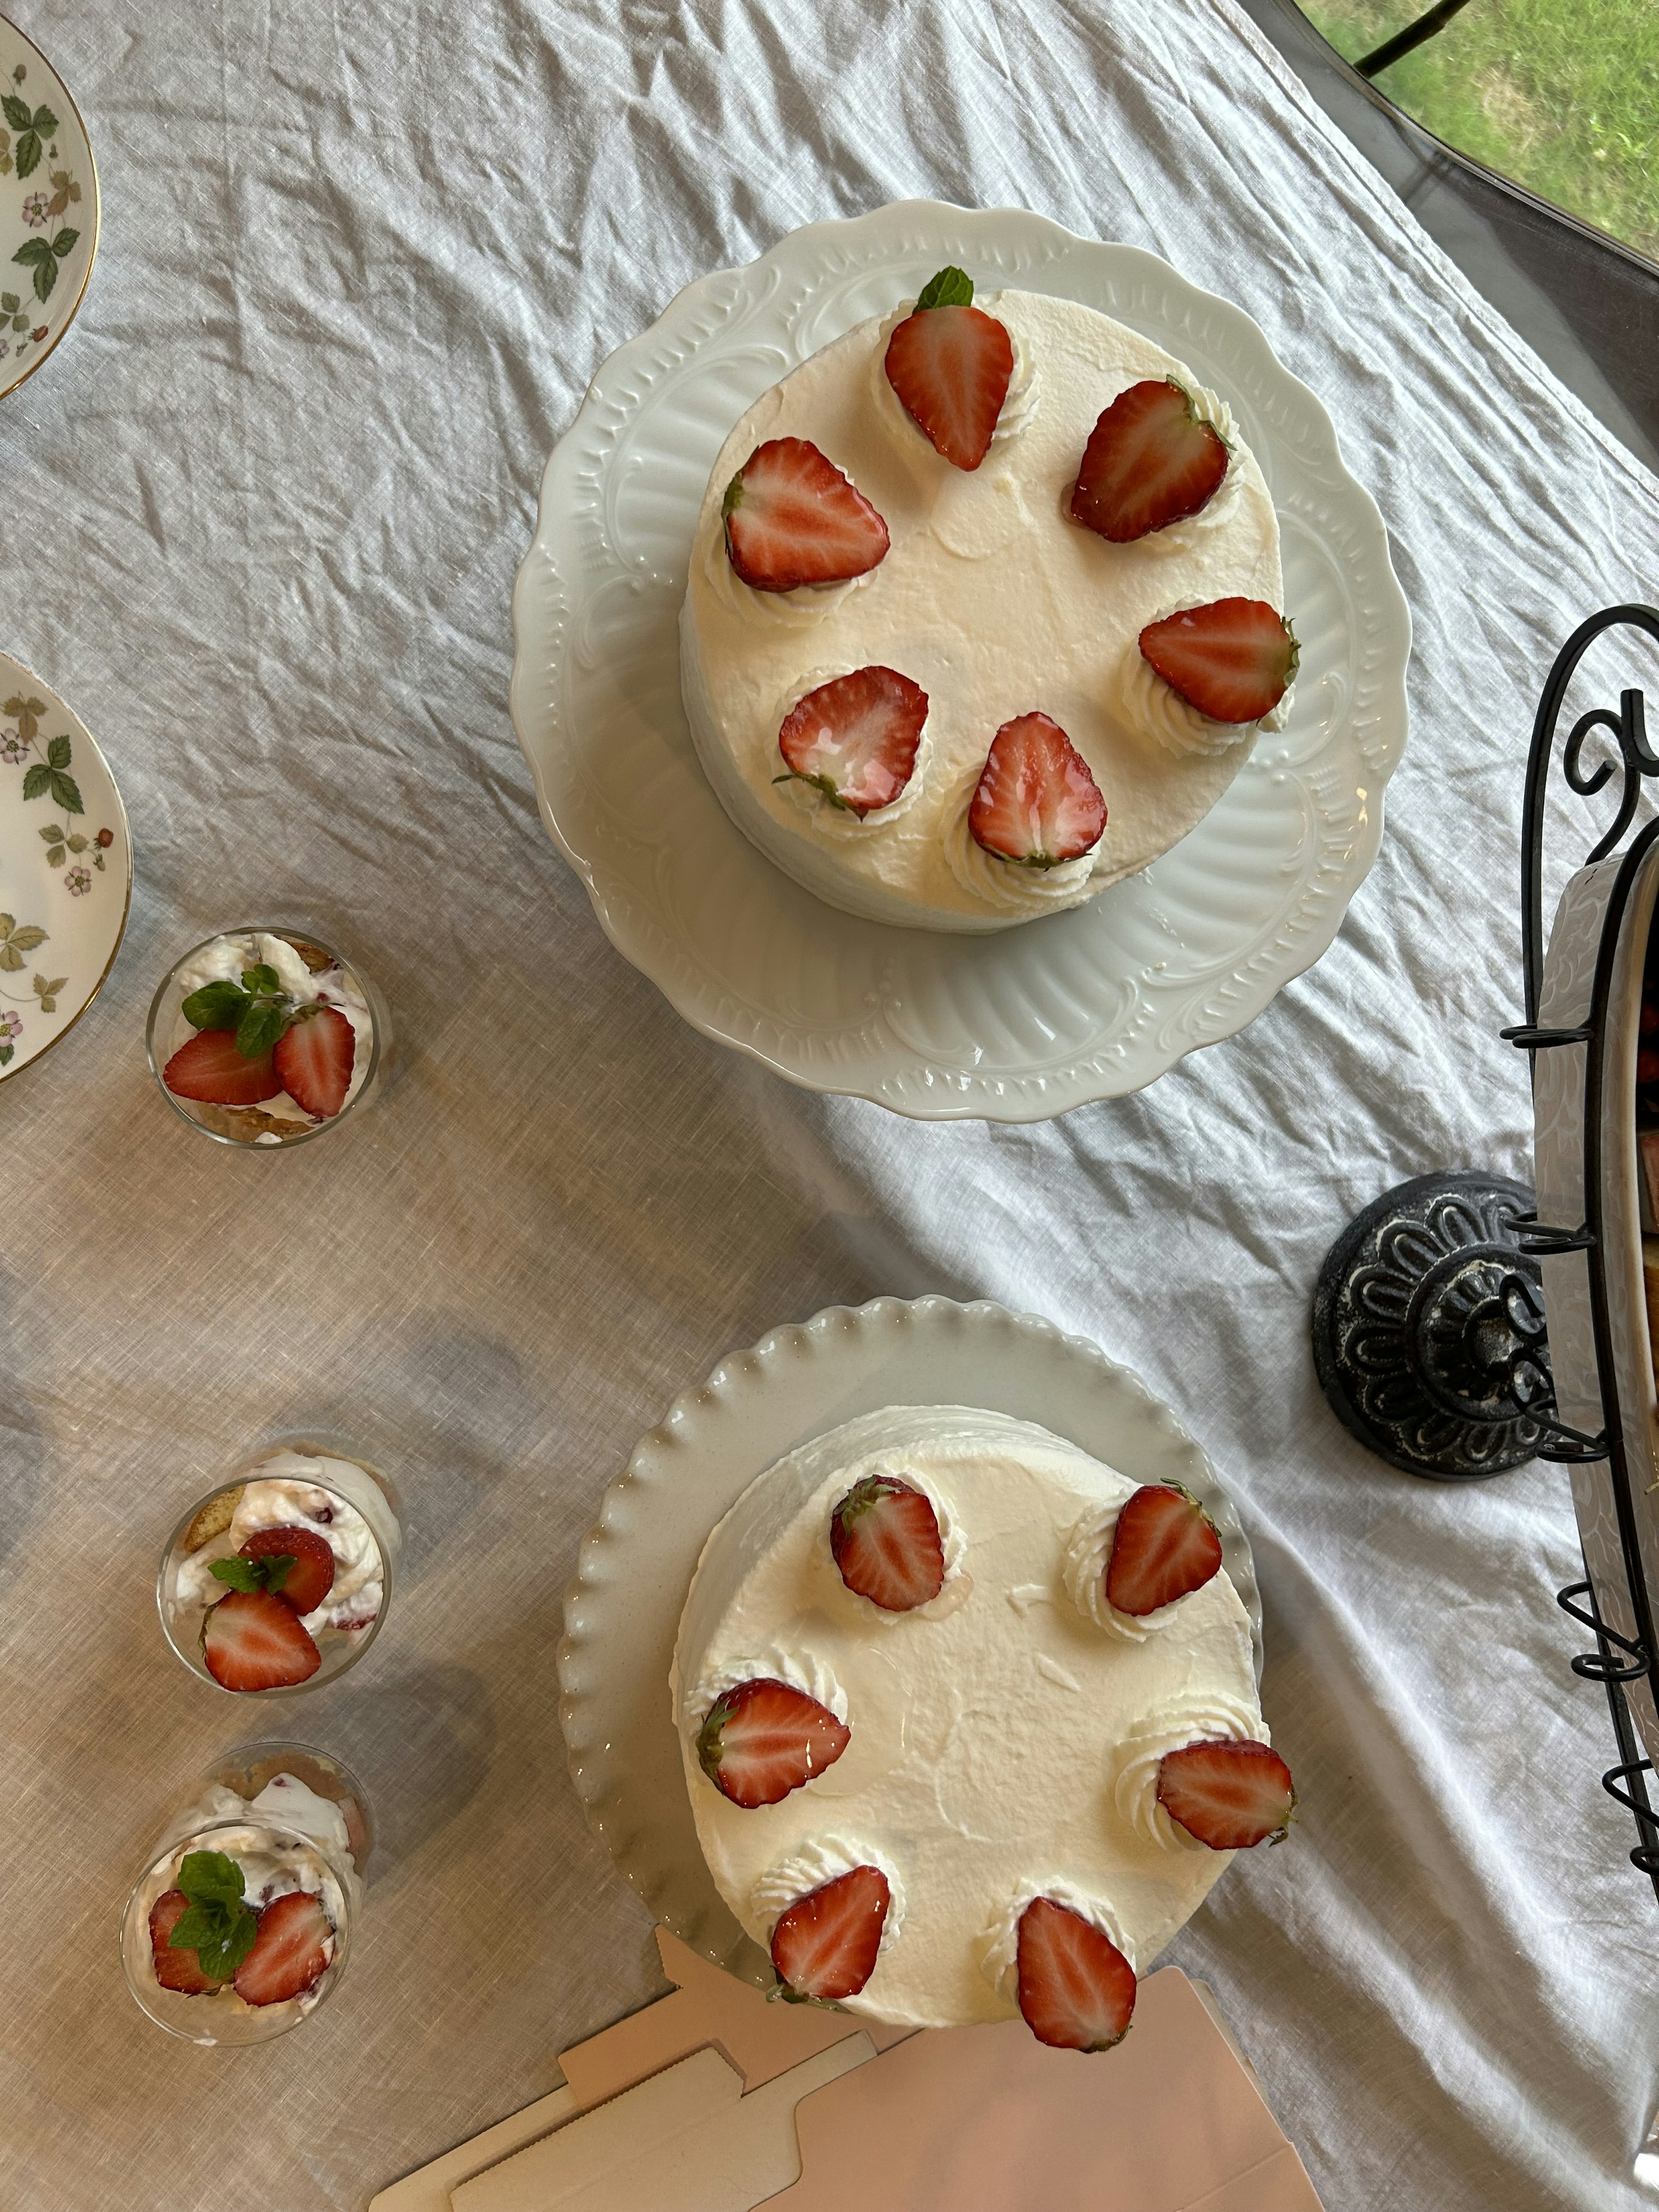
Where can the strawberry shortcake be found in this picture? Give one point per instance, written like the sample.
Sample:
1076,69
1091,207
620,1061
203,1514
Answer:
985,610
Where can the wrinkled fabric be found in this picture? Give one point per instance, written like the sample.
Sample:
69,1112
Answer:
260,520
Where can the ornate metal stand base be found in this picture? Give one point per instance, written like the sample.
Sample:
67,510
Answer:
1428,1328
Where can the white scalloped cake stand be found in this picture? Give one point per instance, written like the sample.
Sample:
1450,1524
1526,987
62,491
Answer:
1017,1026
621,1611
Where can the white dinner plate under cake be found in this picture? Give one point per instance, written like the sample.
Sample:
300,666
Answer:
65,868
1024,1024
622,1610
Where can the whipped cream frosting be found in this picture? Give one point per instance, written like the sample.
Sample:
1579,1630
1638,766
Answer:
223,962
1196,1717
1000,1951
1088,1551
991,599
823,1859
984,1736
287,1490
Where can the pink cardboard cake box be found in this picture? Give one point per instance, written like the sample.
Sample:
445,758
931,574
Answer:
714,2100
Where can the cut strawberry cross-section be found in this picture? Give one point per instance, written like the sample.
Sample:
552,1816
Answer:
856,737
949,363
291,1950
1234,659
824,1946
176,1967
252,1640
1036,802
885,1538
1150,461
211,1070
310,1578
1165,1547
1077,1990
763,1739
1229,1796
792,518
314,1060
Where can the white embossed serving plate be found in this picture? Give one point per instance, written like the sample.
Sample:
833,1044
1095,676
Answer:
1014,1027
65,868
621,1611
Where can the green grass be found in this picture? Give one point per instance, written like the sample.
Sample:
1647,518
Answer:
1563,95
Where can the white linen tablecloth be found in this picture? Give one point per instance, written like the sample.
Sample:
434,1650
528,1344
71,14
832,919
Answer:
260,523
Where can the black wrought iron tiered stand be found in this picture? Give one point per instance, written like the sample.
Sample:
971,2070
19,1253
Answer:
1428,1322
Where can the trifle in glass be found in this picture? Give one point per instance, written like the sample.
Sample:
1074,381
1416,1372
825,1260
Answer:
264,1036
240,1925
280,1577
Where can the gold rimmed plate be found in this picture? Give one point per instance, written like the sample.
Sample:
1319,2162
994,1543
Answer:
48,208
65,868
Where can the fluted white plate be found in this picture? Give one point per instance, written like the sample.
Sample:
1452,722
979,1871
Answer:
1023,1024
622,1610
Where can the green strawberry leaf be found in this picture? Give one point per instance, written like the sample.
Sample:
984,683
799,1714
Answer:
210,1878
11,959
32,250
66,791
63,244
260,1027
16,112
27,939
57,753
215,1006
45,121
54,856
951,287
38,781
8,923
5,1054
52,834
7,303
45,275
29,150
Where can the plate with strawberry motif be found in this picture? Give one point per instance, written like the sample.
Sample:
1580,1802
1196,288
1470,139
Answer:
1027,1022
48,208
65,868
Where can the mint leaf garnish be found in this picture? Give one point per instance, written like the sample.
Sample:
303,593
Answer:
261,1026
951,287
261,978
269,1572
224,1952
210,1878
215,1006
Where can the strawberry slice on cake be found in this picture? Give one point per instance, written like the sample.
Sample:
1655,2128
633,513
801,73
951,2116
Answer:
855,739
824,1947
1150,460
764,1738
1165,1547
1230,1795
951,364
1036,803
1233,660
792,518
885,1538
1077,1990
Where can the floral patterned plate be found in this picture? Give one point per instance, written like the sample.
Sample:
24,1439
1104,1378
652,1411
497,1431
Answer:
48,208
65,868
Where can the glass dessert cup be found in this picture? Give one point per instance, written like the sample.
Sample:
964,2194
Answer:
305,1500
307,975
290,1819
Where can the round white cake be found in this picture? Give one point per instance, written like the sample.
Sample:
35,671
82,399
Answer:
1006,1736
991,600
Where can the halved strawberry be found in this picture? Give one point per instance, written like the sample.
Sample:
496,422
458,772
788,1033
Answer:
1234,659
1229,1795
252,1640
949,363
291,1950
1077,1990
856,737
886,1541
311,1578
1165,1547
178,1969
1036,802
314,1060
210,1069
763,1739
825,1945
1150,461
792,518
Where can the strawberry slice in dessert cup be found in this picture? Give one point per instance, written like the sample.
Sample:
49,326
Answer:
264,1036
239,1927
280,1577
